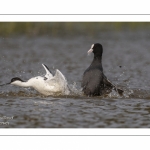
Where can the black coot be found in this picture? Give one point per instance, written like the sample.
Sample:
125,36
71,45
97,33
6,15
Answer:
94,82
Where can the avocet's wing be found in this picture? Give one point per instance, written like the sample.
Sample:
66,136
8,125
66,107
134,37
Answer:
48,72
59,76
59,83
61,80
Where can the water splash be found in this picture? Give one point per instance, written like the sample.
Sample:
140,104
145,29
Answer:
126,94
75,91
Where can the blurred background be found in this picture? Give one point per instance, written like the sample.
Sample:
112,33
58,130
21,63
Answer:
67,28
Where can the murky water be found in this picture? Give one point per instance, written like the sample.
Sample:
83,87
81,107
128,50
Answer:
126,61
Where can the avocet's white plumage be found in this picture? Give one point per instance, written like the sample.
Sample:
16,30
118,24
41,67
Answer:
46,85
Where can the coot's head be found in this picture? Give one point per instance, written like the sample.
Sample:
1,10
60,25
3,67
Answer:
97,49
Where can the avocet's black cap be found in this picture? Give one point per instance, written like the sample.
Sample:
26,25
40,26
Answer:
13,80
16,79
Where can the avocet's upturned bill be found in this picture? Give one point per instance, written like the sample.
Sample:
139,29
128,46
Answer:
47,85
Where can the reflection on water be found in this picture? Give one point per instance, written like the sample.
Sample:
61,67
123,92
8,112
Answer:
125,62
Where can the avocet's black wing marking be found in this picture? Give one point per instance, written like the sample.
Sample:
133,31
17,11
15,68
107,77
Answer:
48,73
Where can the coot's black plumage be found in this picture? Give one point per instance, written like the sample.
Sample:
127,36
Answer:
94,82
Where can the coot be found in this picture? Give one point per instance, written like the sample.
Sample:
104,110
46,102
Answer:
94,82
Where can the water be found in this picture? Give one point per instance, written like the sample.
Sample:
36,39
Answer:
125,62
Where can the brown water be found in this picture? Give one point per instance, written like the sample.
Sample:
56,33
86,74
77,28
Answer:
126,61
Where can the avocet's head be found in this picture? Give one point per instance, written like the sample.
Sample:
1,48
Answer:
97,49
16,81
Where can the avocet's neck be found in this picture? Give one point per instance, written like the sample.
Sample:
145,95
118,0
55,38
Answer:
22,84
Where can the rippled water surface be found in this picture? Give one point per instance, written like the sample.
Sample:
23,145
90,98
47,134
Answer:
126,61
